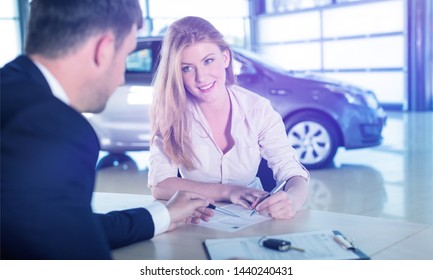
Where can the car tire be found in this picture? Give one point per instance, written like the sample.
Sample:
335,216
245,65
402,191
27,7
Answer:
117,160
314,137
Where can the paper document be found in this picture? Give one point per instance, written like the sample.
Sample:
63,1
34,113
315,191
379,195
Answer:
318,245
228,223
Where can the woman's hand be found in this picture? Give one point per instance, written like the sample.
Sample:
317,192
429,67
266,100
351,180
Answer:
244,196
285,204
279,206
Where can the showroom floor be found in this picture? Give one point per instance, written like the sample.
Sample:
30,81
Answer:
394,180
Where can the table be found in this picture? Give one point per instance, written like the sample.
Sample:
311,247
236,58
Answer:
377,237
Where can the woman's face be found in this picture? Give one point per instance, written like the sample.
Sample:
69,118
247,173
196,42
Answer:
203,67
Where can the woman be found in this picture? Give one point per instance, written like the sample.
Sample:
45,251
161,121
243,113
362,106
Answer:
214,132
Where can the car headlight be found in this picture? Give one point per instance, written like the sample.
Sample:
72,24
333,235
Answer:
351,98
371,100
360,98
354,99
367,98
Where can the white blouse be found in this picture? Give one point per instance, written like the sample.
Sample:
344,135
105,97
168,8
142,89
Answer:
257,130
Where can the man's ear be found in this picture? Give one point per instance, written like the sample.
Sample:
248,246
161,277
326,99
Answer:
104,49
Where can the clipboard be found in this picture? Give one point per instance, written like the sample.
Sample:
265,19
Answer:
316,245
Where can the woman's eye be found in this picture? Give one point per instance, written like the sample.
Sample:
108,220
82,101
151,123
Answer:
186,69
208,61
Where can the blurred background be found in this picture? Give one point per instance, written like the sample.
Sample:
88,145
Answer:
376,54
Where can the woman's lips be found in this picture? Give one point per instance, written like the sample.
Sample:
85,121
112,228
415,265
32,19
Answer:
207,88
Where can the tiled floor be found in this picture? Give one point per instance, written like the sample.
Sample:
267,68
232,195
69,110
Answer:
394,180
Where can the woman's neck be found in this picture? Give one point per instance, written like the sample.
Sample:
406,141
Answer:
220,106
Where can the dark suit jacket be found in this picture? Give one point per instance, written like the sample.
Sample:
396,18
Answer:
48,157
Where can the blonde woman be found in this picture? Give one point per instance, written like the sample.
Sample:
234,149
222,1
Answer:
213,132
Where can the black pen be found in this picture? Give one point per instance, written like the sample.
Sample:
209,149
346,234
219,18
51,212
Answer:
274,190
224,211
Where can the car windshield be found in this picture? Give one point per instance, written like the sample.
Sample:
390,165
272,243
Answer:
258,59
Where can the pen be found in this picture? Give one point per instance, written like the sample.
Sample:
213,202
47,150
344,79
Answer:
221,210
343,242
274,190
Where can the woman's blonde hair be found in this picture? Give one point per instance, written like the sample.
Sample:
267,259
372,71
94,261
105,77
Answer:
170,116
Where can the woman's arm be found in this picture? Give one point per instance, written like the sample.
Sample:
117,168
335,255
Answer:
297,189
217,192
282,159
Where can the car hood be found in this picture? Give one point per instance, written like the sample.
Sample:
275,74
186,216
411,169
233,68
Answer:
331,84
308,76
321,79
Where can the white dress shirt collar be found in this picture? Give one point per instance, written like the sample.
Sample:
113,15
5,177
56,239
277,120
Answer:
54,84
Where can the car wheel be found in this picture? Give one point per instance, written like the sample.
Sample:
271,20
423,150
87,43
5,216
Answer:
313,137
117,160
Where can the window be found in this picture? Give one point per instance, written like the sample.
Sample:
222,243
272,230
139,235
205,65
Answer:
139,61
10,31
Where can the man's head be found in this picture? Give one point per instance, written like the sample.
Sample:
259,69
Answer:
84,44
60,26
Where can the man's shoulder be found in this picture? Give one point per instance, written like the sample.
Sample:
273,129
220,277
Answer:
26,96
18,78
20,94
27,105
22,67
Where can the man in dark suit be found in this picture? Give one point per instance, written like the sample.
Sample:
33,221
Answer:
75,55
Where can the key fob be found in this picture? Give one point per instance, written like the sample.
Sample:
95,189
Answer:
277,244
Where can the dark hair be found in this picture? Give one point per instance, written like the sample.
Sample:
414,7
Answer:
59,26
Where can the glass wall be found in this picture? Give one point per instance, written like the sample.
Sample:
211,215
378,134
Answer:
9,30
231,17
360,42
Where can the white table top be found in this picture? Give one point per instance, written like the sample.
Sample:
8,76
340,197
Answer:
377,237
